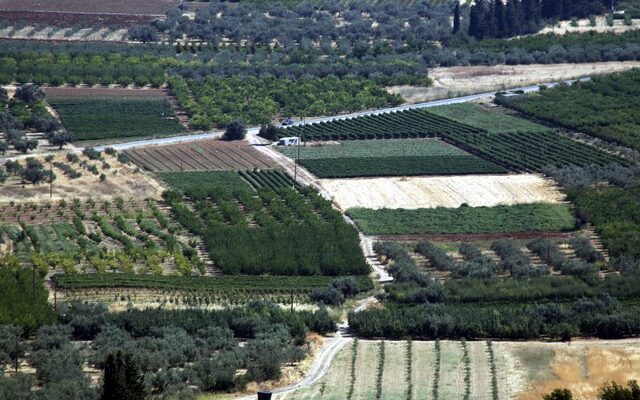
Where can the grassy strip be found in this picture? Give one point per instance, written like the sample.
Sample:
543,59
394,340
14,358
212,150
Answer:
409,369
494,372
354,356
380,371
374,148
517,218
491,121
467,369
396,166
436,373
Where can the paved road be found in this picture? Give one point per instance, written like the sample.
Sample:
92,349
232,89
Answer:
254,130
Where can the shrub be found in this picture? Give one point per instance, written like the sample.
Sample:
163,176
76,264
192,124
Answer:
235,131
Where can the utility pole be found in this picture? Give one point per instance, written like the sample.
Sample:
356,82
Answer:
51,180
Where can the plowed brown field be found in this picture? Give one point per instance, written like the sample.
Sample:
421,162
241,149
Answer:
116,93
206,155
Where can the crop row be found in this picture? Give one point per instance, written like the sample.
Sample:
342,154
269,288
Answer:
237,283
531,150
287,232
102,118
394,125
397,166
267,179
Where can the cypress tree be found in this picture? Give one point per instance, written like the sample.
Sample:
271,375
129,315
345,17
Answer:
501,19
476,17
133,378
122,379
456,18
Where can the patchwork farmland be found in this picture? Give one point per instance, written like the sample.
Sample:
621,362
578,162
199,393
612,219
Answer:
208,155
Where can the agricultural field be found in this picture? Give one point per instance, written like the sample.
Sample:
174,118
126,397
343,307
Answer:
523,370
523,150
483,116
98,118
606,107
112,13
430,192
503,257
276,230
388,158
465,219
78,176
205,155
408,370
145,290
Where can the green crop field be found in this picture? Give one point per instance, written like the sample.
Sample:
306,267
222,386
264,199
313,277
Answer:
227,181
389,158
374,148
399,166
519,150
518,218
493,121
91,119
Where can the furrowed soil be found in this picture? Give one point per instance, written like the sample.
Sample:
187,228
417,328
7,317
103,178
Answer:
460,81
206,155
431,192
102,92
127,7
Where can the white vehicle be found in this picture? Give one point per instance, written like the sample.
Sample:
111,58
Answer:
289,141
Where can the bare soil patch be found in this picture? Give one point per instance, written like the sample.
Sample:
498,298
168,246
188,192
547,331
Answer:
127,7
122,180
206,155
102,92
459,81
449,191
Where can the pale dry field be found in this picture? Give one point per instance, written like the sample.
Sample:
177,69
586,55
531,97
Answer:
451,385
442,191
394,374
122,180
366,370
581,366
459,81
422,370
